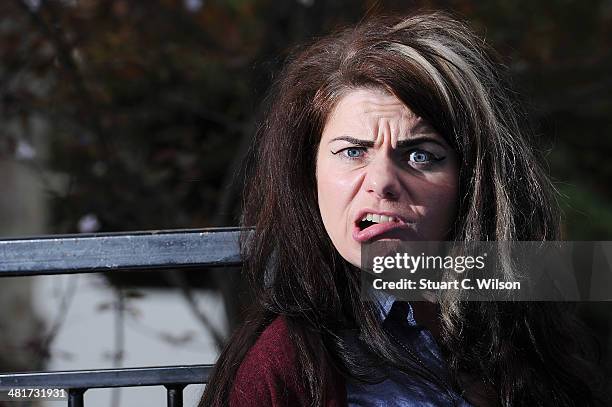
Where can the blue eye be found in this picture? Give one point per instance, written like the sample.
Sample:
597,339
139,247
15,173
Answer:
420,156
353,152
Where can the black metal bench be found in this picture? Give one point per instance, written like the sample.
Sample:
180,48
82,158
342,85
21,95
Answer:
116,252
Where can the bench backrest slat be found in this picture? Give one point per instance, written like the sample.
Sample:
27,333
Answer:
119,251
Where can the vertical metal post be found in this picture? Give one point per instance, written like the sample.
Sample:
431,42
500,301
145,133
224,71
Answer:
175,395
75,397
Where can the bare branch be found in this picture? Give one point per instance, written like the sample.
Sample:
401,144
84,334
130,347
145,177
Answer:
60,318
177,278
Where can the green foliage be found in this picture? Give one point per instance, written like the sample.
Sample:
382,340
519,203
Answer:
587,213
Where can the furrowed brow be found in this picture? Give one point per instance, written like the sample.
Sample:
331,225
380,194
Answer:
355,141
419,140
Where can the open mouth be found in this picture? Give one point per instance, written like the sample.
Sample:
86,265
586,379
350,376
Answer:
374,219
376,225
364,224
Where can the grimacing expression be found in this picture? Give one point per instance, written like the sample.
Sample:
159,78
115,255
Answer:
383,173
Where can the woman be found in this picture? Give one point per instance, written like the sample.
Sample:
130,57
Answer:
410,122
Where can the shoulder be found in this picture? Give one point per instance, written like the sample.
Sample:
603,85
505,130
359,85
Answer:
274,348
269,376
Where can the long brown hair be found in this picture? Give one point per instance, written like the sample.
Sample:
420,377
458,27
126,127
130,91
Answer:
526,352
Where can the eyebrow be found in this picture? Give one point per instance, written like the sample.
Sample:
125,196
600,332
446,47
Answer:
400,144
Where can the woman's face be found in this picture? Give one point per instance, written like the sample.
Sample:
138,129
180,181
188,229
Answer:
383,174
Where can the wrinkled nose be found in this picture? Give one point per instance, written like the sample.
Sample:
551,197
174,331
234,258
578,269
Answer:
382,178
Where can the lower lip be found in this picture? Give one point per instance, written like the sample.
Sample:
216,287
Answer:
379,230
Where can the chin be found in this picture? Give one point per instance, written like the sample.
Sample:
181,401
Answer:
355,261
353,258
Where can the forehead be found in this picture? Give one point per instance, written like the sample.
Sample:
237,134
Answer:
372,100
366,110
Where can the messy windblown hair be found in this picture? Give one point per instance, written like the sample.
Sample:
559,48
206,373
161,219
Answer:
526,354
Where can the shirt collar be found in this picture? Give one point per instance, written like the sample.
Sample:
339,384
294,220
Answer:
385,302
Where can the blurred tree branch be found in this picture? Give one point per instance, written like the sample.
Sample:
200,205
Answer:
65,57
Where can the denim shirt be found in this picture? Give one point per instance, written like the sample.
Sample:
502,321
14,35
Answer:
400,389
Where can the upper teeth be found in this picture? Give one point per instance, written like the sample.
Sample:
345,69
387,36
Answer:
376,218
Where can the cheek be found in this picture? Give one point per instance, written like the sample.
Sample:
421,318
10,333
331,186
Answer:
331,195
444,204
335,191
440,205
325,206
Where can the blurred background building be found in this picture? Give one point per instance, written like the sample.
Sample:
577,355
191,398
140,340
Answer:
122,115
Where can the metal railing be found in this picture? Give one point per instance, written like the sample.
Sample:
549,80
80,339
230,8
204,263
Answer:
116,252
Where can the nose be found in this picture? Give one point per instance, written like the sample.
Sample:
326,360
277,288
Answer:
382,178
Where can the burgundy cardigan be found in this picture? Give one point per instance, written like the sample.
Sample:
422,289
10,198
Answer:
268,376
